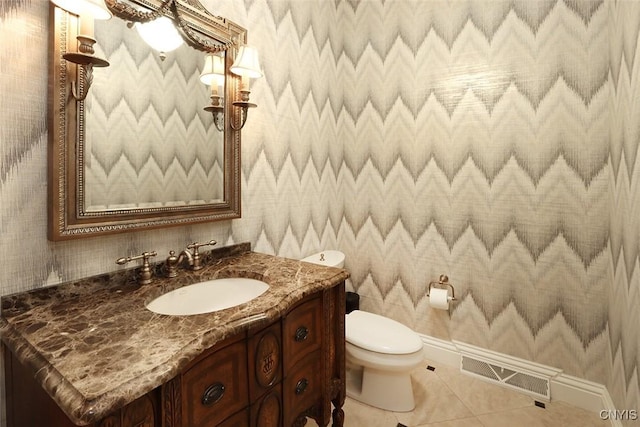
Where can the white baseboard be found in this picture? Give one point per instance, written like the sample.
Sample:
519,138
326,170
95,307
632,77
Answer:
583,394
441,351
575,391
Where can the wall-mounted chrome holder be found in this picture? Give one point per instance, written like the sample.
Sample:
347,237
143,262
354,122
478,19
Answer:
443,283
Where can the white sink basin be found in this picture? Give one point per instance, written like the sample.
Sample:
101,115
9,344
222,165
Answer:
207,297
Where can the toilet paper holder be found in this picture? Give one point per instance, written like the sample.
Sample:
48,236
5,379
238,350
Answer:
443,282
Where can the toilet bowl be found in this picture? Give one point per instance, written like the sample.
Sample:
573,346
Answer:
380,353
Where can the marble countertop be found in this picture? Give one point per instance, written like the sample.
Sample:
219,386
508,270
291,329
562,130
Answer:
94,346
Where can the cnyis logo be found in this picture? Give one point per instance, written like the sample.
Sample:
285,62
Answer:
619,414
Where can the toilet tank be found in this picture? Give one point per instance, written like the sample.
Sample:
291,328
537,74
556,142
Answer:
329,258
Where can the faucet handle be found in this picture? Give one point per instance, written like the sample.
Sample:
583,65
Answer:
195,263
197,245
145,271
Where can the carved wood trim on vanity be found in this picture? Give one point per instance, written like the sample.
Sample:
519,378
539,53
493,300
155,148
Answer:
172,403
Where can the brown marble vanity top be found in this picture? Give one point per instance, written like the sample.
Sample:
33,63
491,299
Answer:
94,346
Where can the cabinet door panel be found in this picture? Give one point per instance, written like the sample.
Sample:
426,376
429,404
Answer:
302,387
267,411
265,360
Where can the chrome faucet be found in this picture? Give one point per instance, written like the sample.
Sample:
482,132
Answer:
192,258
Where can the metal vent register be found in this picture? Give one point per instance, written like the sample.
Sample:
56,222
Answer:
508,376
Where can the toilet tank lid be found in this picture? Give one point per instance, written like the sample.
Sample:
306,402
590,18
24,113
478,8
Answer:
380,334
331,258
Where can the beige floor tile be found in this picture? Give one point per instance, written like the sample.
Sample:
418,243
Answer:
572,416
555,415
358,414
480,396
434,401
448,398
462,422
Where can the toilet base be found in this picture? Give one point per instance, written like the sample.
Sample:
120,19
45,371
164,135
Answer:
391,391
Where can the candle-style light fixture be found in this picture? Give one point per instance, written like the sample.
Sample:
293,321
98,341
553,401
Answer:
247,66
84,57
213,75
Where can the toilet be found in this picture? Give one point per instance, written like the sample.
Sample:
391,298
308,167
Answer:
380,353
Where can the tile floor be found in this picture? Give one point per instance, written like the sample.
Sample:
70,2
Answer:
448,398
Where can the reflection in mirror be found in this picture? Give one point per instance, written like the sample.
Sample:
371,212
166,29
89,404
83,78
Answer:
149,142
141,152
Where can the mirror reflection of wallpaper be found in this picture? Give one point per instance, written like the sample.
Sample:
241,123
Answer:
149,143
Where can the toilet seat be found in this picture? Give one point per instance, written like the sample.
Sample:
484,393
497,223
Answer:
380,334
382,361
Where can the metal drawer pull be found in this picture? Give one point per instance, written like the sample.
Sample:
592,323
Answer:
301,386
301,333
213,393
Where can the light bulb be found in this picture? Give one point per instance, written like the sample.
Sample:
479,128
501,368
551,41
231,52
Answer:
160,34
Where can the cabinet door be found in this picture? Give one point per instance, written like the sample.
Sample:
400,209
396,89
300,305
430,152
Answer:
302,388
267,411
216,387
265,360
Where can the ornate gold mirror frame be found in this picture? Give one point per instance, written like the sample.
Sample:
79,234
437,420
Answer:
67,217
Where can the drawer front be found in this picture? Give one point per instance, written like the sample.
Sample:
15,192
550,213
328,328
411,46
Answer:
215,387
302,331
302,386
265,360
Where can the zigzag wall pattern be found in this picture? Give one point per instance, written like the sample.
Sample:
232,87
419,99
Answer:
150,144
495,142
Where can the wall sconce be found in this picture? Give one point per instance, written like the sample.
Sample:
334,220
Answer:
246,65
160,34
87,11
213,75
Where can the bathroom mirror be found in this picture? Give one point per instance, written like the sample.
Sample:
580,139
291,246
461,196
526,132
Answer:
139,151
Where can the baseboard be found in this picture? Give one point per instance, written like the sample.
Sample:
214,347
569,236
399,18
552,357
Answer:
441,351
575,391
583,394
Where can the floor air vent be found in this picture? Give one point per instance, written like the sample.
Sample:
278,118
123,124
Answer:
508,376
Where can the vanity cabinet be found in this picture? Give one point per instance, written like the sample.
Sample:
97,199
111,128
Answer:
266,376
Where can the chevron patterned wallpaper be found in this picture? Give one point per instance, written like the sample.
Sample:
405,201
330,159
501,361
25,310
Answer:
178,154
492,141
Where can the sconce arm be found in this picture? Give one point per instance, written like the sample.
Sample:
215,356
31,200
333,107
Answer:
244,113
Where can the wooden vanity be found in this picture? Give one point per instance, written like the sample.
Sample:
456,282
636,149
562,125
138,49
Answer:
272,363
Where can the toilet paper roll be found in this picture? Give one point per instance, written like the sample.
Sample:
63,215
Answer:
439,298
